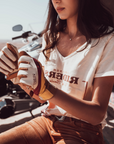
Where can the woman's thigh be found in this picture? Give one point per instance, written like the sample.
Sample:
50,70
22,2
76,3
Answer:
28,133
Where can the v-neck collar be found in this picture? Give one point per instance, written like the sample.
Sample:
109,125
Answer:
70,55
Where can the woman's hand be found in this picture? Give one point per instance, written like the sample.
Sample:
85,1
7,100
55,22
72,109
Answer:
30,73
7,61
27,71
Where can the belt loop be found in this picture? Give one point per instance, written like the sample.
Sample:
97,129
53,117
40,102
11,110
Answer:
71,119
61,119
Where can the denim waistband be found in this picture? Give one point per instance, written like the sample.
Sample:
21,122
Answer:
77,122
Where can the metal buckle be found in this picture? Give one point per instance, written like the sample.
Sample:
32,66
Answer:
61,119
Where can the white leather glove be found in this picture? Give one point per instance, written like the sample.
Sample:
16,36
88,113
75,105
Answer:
30,73
27,71
7,61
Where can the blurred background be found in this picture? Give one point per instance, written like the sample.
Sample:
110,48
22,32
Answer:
30,13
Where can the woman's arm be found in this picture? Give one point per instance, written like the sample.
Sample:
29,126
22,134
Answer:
90,111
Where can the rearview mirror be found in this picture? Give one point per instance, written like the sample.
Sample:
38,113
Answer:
17,28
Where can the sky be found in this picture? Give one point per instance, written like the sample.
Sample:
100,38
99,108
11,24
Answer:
31,14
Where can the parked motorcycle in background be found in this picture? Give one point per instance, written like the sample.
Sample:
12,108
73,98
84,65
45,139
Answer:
34,40
16,100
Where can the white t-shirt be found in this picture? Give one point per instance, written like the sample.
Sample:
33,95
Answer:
74,74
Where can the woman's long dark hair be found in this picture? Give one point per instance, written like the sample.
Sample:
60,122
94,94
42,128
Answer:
93,21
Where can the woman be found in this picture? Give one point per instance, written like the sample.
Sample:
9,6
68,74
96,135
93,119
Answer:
77,60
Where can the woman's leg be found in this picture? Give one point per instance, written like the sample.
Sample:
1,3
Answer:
49,130
28,133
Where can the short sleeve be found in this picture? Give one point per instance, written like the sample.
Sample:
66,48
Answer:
41,55
106,64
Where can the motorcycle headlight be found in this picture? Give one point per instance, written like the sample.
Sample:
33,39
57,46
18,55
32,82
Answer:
7,107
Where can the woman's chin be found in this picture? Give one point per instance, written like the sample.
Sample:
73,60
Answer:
62,17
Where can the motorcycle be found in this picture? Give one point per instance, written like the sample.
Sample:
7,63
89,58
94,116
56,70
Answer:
16,100
32,48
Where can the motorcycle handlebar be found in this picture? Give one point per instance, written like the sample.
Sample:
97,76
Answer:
16,37
24,35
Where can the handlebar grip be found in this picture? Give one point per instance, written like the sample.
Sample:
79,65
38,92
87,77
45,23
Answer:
16,37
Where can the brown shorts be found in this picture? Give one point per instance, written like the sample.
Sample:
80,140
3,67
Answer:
49,130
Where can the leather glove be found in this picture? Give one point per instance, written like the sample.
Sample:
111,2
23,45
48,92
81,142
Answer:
45,90
31,74
36,81
27,71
